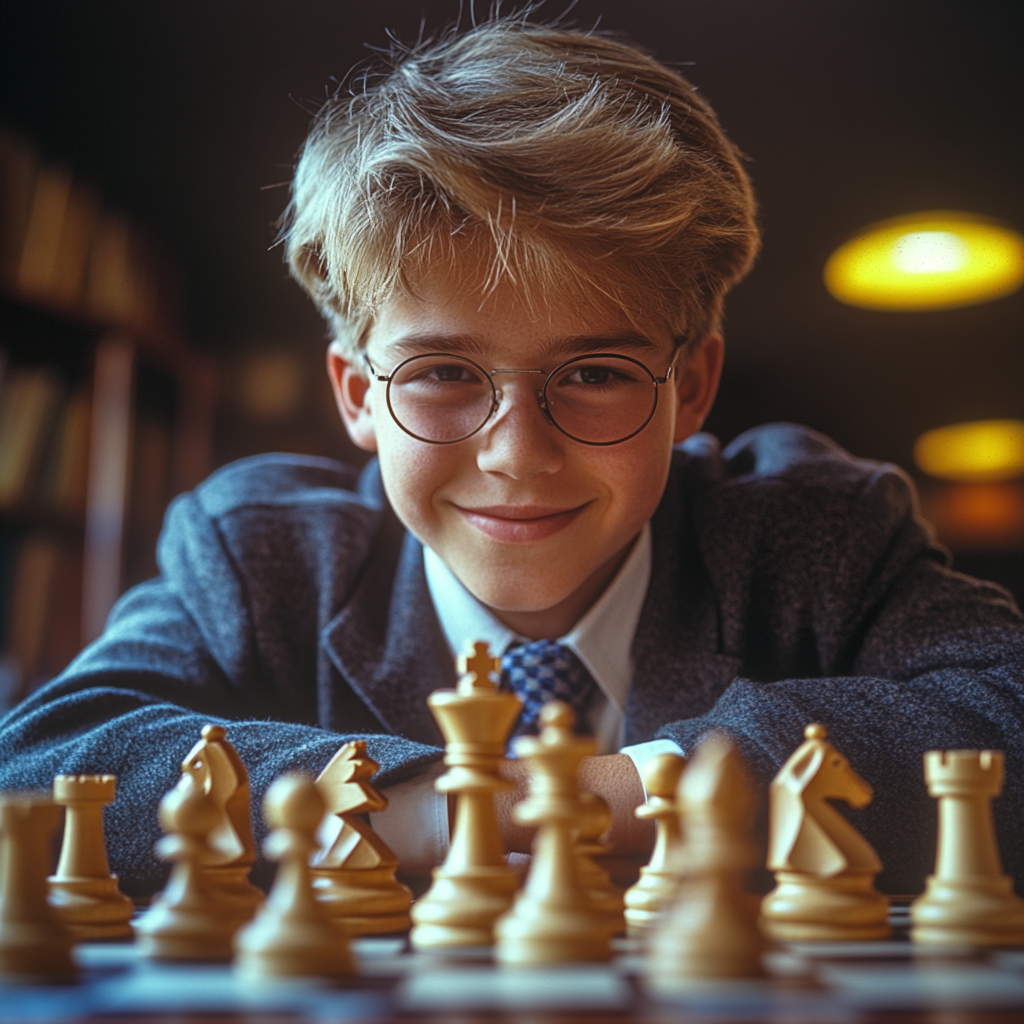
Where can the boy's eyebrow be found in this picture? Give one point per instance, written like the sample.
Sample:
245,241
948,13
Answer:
568,346
580,343
418,344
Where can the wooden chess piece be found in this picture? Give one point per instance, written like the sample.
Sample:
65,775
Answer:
292,935
83,892
968,900
554,919
475,885
219,772
659,880
188,920
824,868
595,820
354,871
710,932
33,943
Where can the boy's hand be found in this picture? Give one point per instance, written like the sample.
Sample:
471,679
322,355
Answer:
612,776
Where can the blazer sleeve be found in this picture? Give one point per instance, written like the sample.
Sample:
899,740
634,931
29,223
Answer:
180,652
911,655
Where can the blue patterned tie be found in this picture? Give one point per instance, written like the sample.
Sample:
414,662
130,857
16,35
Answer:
541,671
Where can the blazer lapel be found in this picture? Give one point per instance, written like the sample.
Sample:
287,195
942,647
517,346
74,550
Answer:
680,670
386,642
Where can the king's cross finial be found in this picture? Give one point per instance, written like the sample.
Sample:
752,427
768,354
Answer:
478,666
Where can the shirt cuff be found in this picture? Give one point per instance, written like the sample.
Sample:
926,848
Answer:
415,823
641,753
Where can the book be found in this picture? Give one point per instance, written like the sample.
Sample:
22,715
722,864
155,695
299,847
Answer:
107,282
65,475
62,629
41,250
27,405
17,176
33,579
150,484
67,284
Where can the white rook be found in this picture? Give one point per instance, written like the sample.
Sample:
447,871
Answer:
83,892
968,901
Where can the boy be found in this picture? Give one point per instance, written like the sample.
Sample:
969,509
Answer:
521,238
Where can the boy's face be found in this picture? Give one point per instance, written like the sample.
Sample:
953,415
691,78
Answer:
533,523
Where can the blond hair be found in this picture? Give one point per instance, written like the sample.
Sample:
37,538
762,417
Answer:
587,172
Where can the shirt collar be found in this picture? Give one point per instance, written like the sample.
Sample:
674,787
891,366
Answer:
602,639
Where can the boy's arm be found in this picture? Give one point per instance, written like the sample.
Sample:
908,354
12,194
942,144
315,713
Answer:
227,635
612,776
133,705
932,659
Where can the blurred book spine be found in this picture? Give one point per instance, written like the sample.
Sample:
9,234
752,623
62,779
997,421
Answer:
28,402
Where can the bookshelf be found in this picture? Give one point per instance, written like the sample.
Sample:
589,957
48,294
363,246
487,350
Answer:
106,412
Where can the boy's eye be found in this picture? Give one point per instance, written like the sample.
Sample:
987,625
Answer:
599,375
433,372
594,374
450,373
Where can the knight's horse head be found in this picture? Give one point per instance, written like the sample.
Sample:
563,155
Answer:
806,833
221,776
828,774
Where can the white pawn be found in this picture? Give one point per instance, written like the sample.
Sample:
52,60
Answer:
292,934
83,892
554,919
710,932
33,944
659,880
968,901
187,921
604,895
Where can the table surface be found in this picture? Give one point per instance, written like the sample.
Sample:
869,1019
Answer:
813,983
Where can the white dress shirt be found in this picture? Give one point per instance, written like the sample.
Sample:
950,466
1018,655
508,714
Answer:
415,824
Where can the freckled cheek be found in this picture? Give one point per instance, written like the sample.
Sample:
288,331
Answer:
633,476
414,473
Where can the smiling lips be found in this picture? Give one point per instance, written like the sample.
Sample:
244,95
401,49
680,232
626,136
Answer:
520,522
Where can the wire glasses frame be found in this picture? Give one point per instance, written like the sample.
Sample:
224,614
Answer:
486,410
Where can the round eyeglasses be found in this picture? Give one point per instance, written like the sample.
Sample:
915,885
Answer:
596,399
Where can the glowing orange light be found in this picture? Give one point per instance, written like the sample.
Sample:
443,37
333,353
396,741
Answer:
935,260
980,516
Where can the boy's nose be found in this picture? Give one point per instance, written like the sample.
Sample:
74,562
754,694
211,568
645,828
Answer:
518,441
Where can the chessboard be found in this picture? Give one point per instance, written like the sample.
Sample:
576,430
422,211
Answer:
816,983
338,936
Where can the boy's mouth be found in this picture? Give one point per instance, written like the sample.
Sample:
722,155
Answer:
520,522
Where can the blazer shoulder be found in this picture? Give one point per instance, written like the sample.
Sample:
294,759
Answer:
788,451
789,487
279,480
780,456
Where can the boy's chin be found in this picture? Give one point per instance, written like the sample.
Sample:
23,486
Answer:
523,596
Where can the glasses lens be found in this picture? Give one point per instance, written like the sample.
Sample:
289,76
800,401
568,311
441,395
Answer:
440,398
601,399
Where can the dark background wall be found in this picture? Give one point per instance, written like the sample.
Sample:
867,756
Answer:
187,114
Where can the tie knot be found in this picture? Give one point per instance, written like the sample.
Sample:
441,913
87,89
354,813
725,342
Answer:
541,671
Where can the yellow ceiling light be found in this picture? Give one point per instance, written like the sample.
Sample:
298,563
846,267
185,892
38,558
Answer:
936,260
986,451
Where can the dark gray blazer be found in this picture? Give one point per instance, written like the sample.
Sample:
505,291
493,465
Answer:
791,583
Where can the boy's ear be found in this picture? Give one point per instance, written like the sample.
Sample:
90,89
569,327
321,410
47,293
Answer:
697,385
352,394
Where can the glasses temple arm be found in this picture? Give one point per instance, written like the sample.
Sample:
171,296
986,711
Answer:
373,372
